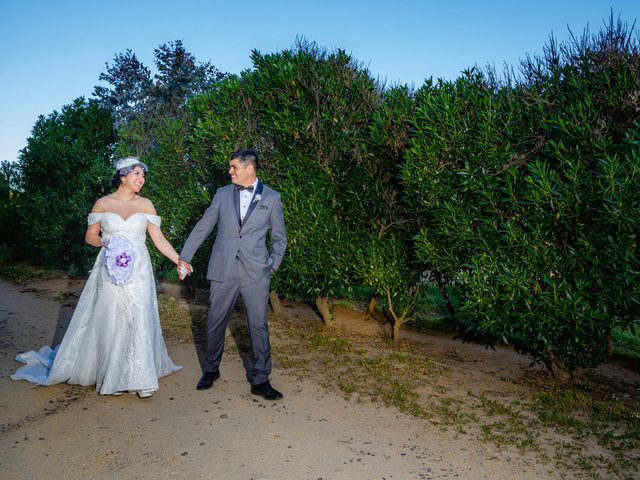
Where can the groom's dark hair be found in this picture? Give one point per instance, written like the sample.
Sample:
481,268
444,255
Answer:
247,156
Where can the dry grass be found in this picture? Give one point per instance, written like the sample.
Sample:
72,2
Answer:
579,428
181,322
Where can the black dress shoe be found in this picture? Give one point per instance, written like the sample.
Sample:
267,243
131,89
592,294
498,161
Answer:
207,380
266,391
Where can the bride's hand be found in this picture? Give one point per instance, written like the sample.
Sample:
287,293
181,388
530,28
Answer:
184,269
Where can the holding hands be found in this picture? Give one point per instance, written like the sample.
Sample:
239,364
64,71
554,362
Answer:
184,269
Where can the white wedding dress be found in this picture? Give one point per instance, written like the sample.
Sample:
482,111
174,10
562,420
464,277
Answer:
114,340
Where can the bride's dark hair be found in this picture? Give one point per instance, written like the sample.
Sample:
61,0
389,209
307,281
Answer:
116,180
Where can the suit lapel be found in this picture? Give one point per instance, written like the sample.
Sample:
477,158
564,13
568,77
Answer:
236,203
254,201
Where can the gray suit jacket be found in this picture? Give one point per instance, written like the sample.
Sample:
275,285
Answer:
243,240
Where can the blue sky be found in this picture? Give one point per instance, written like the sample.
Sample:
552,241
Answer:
54,50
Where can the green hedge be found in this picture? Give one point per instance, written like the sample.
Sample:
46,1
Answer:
517,194
527,198
64,168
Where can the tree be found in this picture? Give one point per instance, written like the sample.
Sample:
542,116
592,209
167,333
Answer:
333,148
526,198
9,203
133,92
130,87
386,260
179,78
64,168
307,110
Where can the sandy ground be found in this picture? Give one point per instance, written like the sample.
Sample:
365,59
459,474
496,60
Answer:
70,432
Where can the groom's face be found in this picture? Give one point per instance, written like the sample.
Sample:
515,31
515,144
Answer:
241,174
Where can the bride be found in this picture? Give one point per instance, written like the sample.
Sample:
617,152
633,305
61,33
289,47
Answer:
114,340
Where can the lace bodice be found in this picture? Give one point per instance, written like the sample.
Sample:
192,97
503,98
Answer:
133,228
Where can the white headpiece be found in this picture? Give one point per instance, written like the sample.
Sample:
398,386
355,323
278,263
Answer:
128,163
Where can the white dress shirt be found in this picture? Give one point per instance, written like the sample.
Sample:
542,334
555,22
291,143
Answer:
245,199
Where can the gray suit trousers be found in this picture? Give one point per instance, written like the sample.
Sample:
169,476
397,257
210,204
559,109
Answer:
222,299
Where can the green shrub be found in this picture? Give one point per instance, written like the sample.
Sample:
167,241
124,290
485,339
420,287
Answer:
306,111
537,219
9,208
64,169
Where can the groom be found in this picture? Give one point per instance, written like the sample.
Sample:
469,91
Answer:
240,264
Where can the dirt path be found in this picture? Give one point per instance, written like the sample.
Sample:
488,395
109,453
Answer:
71,432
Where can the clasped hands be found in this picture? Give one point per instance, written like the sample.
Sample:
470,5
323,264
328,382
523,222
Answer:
184,269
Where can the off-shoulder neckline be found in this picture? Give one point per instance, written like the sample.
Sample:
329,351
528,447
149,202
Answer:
124,219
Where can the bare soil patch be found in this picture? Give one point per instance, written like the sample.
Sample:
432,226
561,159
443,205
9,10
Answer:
356,405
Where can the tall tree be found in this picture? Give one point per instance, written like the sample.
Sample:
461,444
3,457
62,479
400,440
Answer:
179,77
130,87
133,91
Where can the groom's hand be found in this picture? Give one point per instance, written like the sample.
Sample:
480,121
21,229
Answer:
184,269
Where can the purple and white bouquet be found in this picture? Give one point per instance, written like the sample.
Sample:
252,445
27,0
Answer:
119,259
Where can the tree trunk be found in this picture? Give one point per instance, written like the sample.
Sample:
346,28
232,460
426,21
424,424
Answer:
371,310
559,373
395,330
276,306
557,370
322,303
609,341
394,324
395,320
443,291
